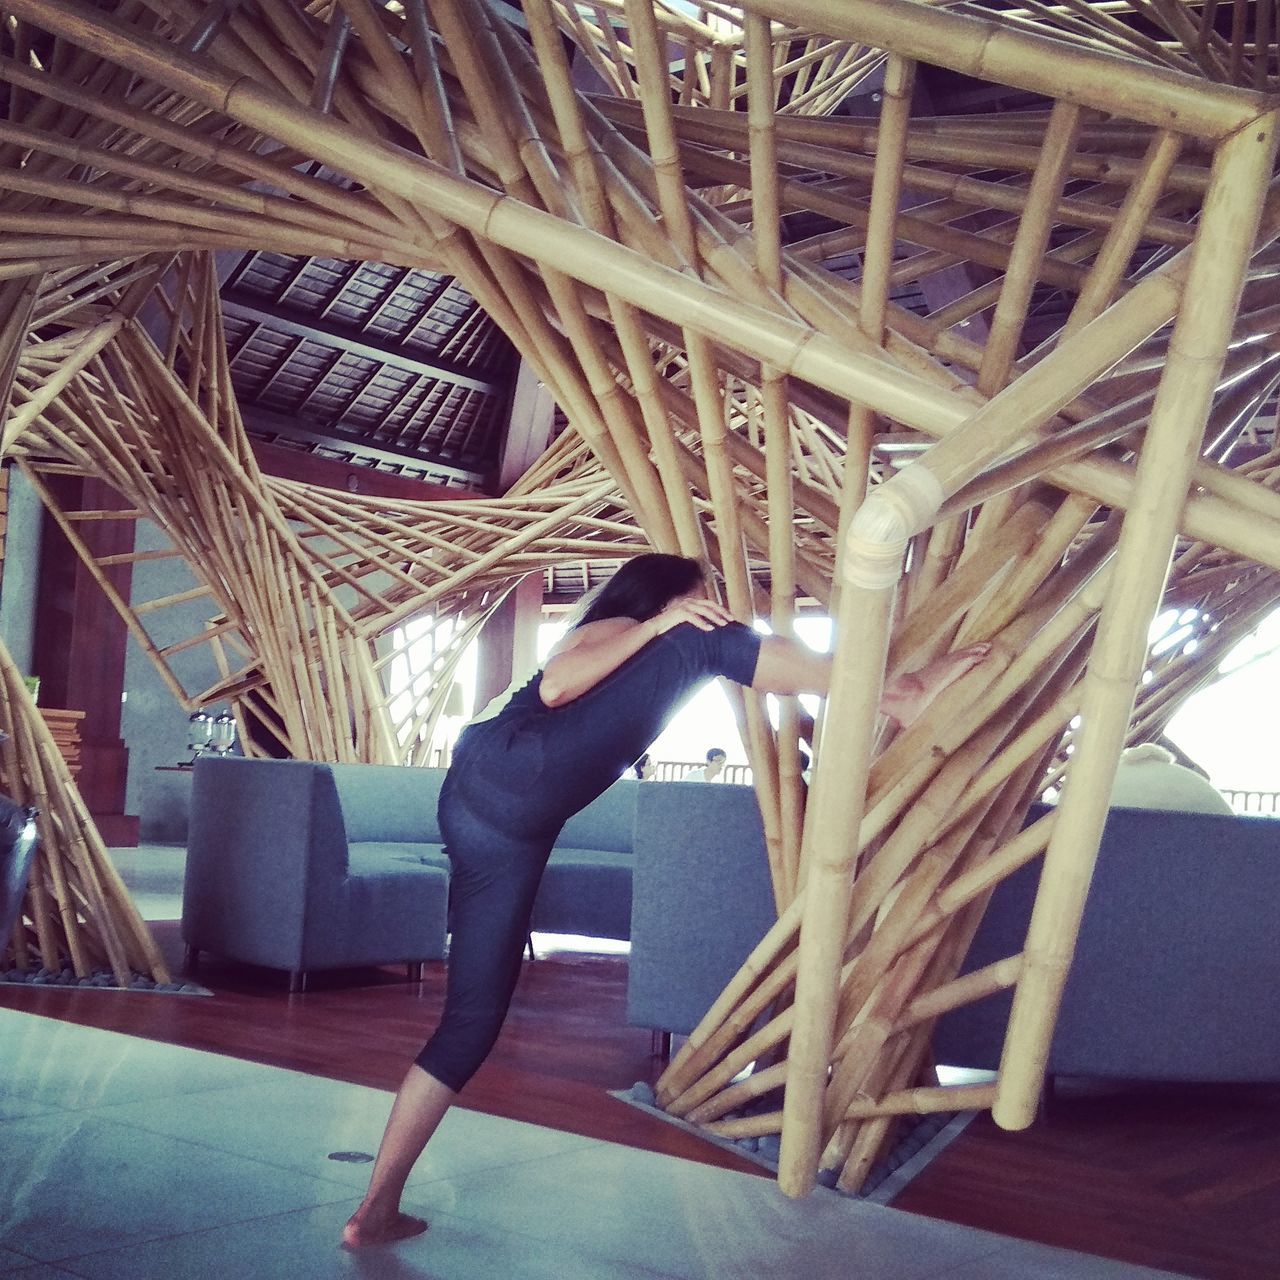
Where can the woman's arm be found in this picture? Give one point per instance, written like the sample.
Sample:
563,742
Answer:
786,666
588,654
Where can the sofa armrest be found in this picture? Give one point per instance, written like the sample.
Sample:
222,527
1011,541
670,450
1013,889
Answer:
266,839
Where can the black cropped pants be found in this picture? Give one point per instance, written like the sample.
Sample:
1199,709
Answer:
515,780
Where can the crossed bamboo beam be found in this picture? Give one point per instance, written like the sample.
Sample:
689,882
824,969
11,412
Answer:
736,397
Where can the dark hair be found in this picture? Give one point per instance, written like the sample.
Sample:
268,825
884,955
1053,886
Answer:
641,588
640,764
716,751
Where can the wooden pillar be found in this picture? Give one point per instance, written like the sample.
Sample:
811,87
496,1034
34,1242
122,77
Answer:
508,645
528,427
80,648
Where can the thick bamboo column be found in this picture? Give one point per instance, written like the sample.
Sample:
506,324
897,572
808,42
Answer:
871,567
1215,278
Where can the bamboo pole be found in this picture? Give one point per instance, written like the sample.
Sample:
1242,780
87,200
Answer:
1152,95
1215,278
871,566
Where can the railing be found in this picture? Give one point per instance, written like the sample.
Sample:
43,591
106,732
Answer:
1253,801
664,770
675,770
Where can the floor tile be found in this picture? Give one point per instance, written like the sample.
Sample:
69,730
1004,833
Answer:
146,1160
304,1246
12,1108
693,1220
83,1183
62,1065
296,1121
1024,1260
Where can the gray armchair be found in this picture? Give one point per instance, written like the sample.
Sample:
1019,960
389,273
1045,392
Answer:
282,873
1176,968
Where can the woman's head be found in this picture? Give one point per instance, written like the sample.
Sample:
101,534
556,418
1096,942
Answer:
642,588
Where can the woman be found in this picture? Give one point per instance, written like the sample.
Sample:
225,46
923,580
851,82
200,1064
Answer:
642,646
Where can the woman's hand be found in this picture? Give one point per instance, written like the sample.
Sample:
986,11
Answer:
706,615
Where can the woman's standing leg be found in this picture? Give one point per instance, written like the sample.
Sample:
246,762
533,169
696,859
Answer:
495,880
419,1107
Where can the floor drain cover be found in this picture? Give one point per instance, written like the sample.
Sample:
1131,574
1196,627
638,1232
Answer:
351,1157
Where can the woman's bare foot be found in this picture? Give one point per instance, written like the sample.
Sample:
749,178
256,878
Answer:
366,1227
907,696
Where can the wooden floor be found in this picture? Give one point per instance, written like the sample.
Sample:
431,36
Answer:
1186,1179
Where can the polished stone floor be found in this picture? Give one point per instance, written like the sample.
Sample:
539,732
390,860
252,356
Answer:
126,1159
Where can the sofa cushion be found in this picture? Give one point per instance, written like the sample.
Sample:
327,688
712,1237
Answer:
585,892
374,857
388,802
391,910
608,822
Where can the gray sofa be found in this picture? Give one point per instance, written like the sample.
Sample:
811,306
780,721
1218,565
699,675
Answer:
586,888
1176,970
299,865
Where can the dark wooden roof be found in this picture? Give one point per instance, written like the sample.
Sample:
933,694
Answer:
380,366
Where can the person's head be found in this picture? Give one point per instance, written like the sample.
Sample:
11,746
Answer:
717,757
642,588
1147,753
644,767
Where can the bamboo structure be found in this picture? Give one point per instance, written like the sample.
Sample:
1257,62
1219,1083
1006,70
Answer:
77,912
710,58
987,386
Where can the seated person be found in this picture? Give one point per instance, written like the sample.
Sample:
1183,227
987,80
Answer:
1148,777
717,758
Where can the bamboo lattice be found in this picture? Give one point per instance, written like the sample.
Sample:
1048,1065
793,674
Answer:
77,913
961,471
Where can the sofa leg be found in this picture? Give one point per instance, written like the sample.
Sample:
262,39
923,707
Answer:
297,981
528,946
191,959
1048,1096
414,969
660,1044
